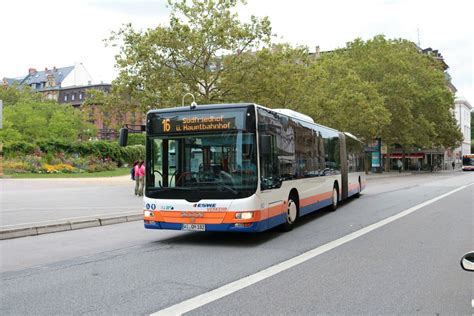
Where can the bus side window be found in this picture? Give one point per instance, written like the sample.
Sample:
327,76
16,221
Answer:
269,162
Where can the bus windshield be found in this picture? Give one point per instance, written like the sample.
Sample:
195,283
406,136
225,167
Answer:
202,166
468,160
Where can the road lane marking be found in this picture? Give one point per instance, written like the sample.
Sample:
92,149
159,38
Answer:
213,295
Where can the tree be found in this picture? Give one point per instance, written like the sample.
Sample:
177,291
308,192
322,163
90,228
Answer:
274,77
30,119
414,89
113,108
160,65
340,98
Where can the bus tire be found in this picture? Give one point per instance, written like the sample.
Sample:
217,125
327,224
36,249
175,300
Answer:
334,198
292,213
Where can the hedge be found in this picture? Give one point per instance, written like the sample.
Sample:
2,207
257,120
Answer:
136,139
99,149
130,154
18,149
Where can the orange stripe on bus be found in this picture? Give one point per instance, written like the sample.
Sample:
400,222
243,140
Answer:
315,199
197,217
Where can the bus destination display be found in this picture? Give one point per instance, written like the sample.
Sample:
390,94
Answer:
195,123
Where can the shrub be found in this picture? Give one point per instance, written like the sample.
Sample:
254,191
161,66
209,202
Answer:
16,166
130,154
15,149
104,149
96,165
136,139
54,146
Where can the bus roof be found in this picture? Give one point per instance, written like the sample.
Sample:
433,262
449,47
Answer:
293,114
201,107
297,117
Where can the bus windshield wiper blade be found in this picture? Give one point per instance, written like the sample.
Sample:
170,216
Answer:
174,188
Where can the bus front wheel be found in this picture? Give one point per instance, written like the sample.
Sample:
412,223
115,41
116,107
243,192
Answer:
291,214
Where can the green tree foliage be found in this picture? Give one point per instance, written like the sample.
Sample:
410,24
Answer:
274,77
28,118
340,98
160,65
413,87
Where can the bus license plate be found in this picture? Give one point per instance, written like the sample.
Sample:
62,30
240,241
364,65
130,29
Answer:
194,227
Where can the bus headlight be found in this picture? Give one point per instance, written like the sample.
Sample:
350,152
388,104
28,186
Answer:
148,214
244,215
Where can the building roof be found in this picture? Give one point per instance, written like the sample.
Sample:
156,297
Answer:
42,76
75,75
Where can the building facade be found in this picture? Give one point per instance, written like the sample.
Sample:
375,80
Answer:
462,113
69,85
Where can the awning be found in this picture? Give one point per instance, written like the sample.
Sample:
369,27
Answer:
407,155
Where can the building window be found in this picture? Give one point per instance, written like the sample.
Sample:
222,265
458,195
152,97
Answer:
65,98
73,96
33,86
80,96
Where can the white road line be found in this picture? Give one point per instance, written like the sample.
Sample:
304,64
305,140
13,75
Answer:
472,303
203,299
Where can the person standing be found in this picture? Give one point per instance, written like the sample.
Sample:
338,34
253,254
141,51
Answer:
141,177
135,176
399,165
453,164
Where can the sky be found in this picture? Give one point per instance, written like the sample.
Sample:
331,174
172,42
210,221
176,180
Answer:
43,34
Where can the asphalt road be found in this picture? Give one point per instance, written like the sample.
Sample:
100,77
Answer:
38,200
410,265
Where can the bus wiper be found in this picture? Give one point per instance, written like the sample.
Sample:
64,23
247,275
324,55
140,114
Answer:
221,185
175,188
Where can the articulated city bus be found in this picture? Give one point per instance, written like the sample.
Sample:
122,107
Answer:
468,163
244,168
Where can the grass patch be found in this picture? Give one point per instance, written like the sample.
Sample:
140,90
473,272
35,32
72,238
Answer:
114,173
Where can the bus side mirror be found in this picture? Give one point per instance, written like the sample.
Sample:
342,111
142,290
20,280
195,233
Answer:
265,145
467,261
123,137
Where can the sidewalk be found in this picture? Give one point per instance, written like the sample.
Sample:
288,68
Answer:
54,226
31,207
394,173
390,174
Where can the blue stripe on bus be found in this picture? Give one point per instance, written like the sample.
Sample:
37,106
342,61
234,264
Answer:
315,206
255,227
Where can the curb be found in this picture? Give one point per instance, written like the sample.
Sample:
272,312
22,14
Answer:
34,229
387,175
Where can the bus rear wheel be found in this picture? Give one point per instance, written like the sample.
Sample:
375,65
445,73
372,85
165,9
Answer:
291,214
334,199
